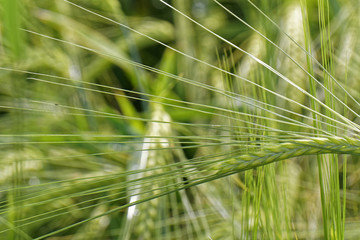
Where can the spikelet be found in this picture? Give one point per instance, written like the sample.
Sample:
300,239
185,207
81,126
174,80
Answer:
312,146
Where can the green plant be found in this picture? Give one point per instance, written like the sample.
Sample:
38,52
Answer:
190,120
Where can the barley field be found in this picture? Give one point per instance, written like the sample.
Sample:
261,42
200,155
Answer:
187,119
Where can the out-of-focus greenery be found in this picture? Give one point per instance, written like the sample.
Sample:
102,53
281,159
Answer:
116,117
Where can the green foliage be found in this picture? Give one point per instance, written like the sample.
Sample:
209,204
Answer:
202,119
